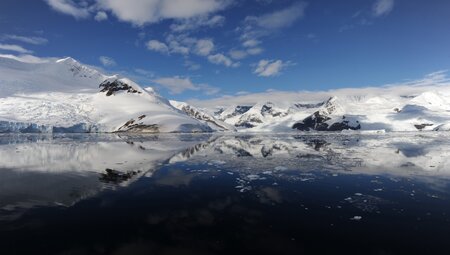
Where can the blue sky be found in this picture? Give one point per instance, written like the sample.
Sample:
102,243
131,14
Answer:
208,48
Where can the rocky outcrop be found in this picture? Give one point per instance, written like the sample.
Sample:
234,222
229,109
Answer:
327,119
137,126
422,126
111,87
117,177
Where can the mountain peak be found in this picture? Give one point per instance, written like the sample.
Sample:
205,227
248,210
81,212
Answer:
67,60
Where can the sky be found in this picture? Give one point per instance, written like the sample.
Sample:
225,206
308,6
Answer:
203,49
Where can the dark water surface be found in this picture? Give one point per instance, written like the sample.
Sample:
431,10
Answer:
229,194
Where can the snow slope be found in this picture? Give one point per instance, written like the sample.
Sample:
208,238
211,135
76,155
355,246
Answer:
200,115
66,96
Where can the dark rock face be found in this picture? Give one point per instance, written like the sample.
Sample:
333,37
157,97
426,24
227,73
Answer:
244,125
268,109
132,126
422,126
111,87
116,177
237,111
314,122
242,109
309,106
317,122
249,123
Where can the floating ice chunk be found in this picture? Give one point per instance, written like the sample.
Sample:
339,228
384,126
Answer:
253,177
218,162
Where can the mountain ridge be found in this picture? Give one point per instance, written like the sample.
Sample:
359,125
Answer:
63,95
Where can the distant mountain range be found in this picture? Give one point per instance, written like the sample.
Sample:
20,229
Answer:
63,95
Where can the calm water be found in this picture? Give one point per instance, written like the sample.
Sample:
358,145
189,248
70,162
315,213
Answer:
230,194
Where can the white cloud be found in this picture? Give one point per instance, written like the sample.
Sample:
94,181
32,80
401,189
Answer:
158,46
220,59
197,22
177,47
27,58
251,43
141,12
69,7
382,7
204,47
185,45
26,39
177,85
257,27
15,48
281,18
107,61
269,68
101,16
238,54
255,51
241,54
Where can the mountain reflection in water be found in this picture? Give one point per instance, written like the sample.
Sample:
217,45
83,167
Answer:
218,194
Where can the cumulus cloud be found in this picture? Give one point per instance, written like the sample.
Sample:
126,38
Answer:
177,85
101,16
255,51
140,12
177,47
241,54
269,68
158,46
281,18
238,54
204,47
15,48
26,39
382,7
251,43
69,7
107,61
185,45
220,59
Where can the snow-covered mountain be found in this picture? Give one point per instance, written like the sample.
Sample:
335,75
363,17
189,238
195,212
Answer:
390,109
63,95
66,96
202,116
